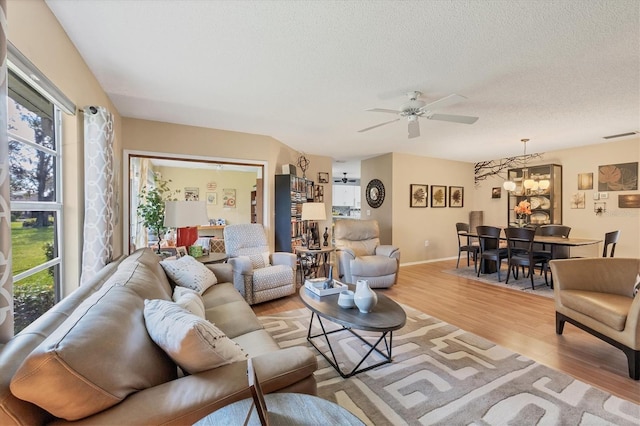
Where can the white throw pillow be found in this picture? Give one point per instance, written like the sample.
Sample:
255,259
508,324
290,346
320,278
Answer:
188,272
191,342
189,300
636,286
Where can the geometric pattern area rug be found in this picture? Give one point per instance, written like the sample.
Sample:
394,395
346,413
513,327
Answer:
521,284
442,375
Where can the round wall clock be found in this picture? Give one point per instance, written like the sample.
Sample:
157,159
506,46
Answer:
375,193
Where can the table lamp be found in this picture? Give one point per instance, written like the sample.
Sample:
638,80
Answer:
312,212
185,216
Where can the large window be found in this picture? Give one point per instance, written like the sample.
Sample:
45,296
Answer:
36,201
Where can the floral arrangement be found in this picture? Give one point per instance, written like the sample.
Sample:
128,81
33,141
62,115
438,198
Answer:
522,209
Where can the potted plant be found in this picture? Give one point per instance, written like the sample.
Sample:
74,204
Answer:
151,207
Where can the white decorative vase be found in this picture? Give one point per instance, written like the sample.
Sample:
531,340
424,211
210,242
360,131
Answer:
364,298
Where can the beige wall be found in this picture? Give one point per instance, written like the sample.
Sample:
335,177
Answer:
380,168
37,34
242,182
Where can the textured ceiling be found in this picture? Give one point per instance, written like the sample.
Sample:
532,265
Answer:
561,73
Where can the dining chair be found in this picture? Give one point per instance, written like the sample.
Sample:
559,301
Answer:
520,253
610,239
560,252
490,250
466,243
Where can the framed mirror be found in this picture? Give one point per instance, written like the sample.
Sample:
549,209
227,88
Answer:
375,193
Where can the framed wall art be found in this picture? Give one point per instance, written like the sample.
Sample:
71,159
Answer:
192,194
618,177
577,200
418,195
212,198
229,198
631,201
585,180
456,196
496,192
323,177
438,196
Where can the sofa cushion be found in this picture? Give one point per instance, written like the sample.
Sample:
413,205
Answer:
609,309
373,266
190,300
93,360
192,342
233,318
272,277
188,272
221,294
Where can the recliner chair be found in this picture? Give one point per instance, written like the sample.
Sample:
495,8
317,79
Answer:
258,274
362,257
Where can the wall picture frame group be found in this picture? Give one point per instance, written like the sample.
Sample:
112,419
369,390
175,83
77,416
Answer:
418,195
456,196
438,196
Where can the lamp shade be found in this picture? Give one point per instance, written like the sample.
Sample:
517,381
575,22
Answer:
314,211
509,185
182,214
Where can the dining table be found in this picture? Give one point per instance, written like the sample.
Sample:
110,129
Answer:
554,242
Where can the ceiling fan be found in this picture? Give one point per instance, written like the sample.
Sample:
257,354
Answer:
416,108
344,179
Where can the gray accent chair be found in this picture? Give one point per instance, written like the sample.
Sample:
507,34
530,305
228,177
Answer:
361,256
258,274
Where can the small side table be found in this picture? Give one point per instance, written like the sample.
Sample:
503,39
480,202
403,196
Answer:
213,258
311,260
284,409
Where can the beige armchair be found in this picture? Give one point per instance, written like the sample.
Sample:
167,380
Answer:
360,255
596,295
258,274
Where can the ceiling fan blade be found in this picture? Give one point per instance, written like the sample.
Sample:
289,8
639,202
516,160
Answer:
390,111
378,125
443,102
414,129
464,119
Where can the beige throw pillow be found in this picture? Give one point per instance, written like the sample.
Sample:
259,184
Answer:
260,260
191,342
636,286
190,300
188,272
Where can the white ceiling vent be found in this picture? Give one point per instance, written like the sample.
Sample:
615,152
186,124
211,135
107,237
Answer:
620,135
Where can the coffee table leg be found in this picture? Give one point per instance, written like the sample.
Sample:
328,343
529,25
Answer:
334,362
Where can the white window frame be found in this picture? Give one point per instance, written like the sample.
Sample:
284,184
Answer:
52,206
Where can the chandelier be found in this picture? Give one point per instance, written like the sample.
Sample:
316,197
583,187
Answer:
530,185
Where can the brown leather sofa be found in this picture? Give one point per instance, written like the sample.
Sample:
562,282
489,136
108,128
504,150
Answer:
596,295
109,371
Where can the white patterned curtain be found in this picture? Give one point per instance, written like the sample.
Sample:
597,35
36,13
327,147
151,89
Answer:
99,191
6,279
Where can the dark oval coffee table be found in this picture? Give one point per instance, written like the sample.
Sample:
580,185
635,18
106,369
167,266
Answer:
385,317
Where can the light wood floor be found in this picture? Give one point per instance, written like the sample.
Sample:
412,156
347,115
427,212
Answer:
522,322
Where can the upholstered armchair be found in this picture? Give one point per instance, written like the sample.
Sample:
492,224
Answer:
258,274
597,295
360,255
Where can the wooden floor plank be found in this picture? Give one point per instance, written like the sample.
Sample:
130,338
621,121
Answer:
521,322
